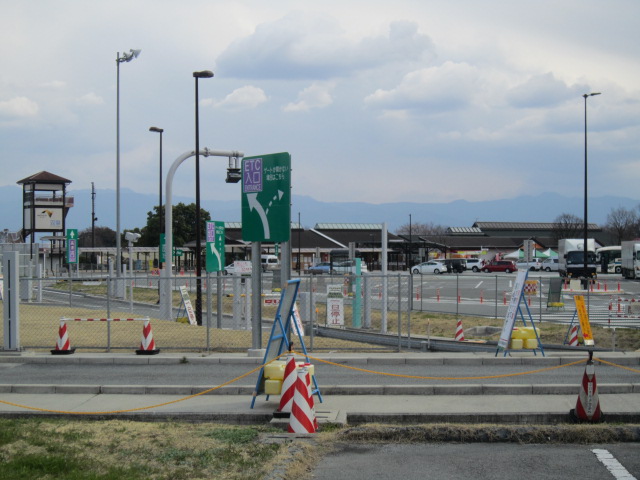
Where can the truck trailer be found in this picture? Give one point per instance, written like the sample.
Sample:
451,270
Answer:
571,258
630,262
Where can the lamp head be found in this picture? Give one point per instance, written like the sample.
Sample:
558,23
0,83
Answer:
156,129
203,74
131,237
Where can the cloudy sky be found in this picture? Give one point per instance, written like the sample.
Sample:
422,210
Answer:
424,101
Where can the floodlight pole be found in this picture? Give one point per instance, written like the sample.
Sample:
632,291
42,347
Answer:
586,218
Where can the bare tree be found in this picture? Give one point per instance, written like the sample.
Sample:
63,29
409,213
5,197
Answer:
622,224
422,229
567,225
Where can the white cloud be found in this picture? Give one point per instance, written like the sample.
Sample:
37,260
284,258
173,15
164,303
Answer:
18,107
317,95
242,98
316,46
90,99
445,87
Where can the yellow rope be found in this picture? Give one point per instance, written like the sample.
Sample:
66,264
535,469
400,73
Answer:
149,407
419,377
616,365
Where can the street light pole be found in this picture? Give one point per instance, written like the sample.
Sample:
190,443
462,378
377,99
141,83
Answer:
126,57
197,75
161,230
586,217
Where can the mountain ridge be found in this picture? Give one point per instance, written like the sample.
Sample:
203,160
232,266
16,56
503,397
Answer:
544,207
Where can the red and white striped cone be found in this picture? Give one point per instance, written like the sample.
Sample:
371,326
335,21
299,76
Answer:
459,332
573,336
147,344
63,344
312,403
588,406
288,385
301,420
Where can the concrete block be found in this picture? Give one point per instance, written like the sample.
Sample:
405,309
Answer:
408,390
78,389
123,389
457,389
555,389
497,389
29,389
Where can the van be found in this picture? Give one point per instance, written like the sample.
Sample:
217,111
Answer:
269,262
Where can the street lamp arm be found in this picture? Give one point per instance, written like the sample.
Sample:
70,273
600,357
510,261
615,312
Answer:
168,217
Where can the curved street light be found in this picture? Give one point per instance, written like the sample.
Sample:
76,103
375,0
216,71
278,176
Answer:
160,231
126,57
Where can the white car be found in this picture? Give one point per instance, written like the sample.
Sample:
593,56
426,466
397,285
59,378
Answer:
429,267
549,265
474,264
534,265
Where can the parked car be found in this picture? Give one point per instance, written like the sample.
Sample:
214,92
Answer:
431,266
506,266
238,267
549,265
320,268
349,266
535,264
474,264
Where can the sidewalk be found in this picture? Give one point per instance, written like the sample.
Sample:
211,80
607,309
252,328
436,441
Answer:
352,404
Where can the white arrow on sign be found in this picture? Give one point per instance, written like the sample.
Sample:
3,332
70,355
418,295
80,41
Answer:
252,199
216,253
72,234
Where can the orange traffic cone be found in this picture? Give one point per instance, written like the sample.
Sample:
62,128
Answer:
588,406
147,345
459,332
288,385
63,345
301,419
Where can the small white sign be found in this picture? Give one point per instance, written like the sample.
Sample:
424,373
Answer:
187,306
335,306
510,317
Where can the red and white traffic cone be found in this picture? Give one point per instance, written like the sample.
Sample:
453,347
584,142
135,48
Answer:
288,385
588,406
459,332
573,336
63,344
301,420
312,403
147,344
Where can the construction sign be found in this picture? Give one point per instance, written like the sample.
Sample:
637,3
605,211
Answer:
583,316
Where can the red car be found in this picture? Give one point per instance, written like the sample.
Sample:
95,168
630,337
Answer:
506,266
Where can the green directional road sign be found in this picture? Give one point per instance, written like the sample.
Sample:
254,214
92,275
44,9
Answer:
266,198
215,246
162,240
72,245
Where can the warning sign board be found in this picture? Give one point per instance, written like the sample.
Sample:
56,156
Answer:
583,316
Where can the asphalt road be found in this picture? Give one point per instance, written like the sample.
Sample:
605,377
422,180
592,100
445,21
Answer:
480,461
211,375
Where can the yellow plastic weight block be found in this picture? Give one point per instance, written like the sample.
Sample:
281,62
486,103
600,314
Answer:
308,366
275,370
531,343
516,344
272,387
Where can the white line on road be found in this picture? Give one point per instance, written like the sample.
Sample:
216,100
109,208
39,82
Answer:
614,466
480,283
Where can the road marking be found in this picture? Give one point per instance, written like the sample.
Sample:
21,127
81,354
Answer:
480,283
614,466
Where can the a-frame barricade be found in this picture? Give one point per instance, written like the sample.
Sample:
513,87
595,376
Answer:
515,309
281,333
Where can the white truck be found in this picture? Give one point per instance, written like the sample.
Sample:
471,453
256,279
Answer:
571,257
631,259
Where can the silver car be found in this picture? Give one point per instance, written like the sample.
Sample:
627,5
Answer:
549,265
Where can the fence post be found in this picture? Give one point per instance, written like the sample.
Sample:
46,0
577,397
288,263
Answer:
400,314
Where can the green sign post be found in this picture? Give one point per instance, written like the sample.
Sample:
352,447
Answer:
266,198
215,246
72,245
162,260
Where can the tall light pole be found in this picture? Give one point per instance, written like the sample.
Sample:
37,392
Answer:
126,57
586,217
197,75
161,230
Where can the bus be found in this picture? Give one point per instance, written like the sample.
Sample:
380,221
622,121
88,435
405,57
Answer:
609,259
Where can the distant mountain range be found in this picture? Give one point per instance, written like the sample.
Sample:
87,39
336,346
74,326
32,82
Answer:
134,206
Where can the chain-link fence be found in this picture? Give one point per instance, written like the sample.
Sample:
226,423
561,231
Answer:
338,312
